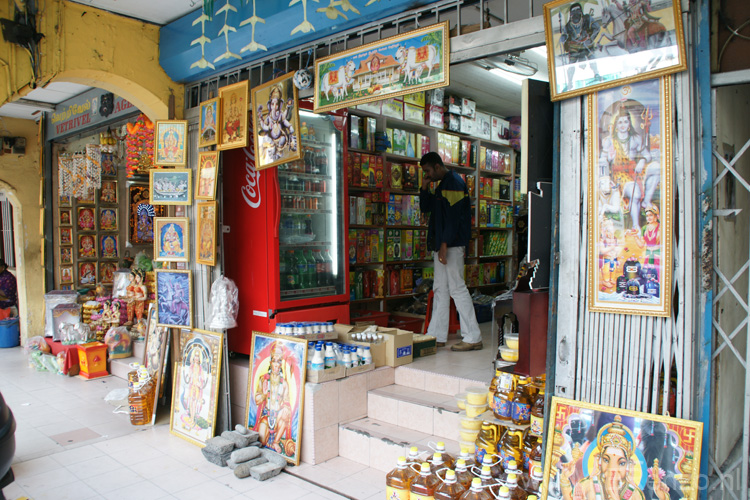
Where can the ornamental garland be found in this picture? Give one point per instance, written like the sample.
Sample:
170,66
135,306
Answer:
140,142
93,167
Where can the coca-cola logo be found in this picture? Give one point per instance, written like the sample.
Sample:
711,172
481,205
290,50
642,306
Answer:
250,190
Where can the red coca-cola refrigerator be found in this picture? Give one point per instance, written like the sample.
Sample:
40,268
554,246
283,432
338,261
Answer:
284,238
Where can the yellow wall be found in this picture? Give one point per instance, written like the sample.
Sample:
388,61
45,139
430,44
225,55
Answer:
20,180
92,47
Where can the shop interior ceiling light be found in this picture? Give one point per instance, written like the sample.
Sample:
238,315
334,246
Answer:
513,63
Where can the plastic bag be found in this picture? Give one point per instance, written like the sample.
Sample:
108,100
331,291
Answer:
143,261
224,304
36,344
43,362
118,342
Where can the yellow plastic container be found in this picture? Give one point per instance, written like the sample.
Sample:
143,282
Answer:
473,411
470,424
470,446
467,435
461,400
511,340
509,355
476,395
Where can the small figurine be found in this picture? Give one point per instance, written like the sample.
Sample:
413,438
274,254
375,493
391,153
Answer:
141,294
114,314
131,296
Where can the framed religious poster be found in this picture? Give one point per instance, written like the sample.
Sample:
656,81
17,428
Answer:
108,192
597,44
109,247
66,217
208,171
141,215
596,451
174,292
86,220
171,241
276,122
87,273
108,219
66,235
66,275
397,65
170,186
107,272
275,392
170,143
233,103
207,128
87,246
206,233
66,255
196,386
65,200
89,197
630,197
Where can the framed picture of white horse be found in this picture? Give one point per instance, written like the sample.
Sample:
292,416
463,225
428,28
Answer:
598,44
398,65
631,199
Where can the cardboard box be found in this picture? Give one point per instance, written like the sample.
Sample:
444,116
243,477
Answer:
393,108
436,97
500,129
396,350
360,369
466,125
424,345
468,107
413,113
435,116
417,98
371,107
320,376
483,125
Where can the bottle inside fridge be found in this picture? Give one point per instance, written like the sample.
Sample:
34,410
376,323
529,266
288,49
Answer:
311,229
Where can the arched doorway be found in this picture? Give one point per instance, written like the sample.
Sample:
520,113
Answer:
9,193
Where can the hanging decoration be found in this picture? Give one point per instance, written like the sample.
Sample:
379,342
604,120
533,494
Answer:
140,144
93,178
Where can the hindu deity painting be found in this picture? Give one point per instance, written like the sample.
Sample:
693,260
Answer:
208,169
170,146
233,123
109,246
141,215
206,233
170,186
86,219
276,122
66,275
86,246
171,241
157,342
87,273
66,255
207,128
108,192
66,235
174,290
108,219
66,217
107,272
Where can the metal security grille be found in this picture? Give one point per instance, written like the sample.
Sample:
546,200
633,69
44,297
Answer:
730,416
6,215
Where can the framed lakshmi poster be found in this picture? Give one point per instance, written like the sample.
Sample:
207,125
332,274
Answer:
66,217
87,273
196,386
107,272
206,233
108,248
174,298
276,122
86,220
170,186
141,214
596,451
207,126
275,390
233,103
108,219
170,142
208,171
630,195
87,246
66,275
108,192
66,255
172,237
66,235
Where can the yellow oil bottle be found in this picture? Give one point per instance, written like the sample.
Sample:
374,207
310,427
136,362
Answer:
463,475
476,492
504,397
398,481
486,442
509,447
423,487
450,489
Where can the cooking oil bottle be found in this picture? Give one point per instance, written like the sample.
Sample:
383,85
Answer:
534,485
448,459
504,397
467,457
413,456
450,489
535,457
423,486
537,413
493,388
463,475
398,481
504,493
437,464
521,404
512,468
486,441
509,447
515,491
496,469
488,480
476,492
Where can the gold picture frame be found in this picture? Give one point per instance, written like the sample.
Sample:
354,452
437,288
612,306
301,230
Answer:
208,174
66,275
209,118
205,234
630,185
276,113
645,44
88,247
170,186
233,103
171,239
174,298
375,71
170,143
665,454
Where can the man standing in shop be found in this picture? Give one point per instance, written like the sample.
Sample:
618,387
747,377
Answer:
448,234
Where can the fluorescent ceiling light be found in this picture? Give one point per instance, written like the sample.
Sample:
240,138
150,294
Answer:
517,79
541,51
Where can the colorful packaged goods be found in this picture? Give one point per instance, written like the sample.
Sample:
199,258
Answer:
413,113
435,116
399,141
396,176
417,99
393,108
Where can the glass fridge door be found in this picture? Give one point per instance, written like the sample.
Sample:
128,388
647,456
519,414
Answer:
311,232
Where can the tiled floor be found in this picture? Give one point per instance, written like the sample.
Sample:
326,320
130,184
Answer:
70,444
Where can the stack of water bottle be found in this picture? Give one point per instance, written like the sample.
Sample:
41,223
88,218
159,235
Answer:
304,328
324,355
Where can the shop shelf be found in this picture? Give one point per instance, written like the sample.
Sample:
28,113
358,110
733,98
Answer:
364,189
302,175
303,211
490,228
306,245
309,194
491,173
321,290
376,263
366,301
494,256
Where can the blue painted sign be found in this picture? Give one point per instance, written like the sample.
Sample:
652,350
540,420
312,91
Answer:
194,46
93,107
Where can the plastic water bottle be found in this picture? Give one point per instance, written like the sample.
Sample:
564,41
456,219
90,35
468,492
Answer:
367,356
310,354
318,361
360,355
347,357
330,358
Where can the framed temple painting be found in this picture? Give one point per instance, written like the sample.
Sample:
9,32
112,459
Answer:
206,233
208,171
141,214
596,451
174,298
170,186
170,143
398,65
630,199
275,392
209,113
233,103
172,239
196,386
598,44
276,122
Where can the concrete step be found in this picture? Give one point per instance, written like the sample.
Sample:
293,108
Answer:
450,385
415,409
378,444
120,367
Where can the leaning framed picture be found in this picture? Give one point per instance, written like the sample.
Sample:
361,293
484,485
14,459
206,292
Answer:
174,298
596,451
196,386
598,44
207,127
275,392
394,66
171,239
630,199
170,143
208,171
233,103
276,122
206,233
170,186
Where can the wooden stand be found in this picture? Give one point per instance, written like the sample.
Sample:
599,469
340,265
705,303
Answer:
531,308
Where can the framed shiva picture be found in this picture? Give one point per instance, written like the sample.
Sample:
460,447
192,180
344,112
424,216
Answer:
233,103
596,451
276,122
174,292
141,214
172,239
195,395
170,186
170,143
206,233
597,44
394,66
630,199
207,127
275,392
208,172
